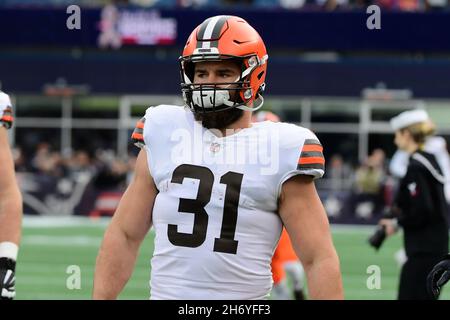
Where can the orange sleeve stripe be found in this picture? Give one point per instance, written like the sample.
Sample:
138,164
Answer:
7,118
137,136
311,160
140,125
312,147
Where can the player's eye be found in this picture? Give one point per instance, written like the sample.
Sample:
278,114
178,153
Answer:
225,75
201,74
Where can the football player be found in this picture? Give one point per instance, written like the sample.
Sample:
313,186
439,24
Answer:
218,188
10,205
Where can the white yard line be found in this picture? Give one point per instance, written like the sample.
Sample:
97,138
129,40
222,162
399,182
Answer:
61,241
57,222
80,221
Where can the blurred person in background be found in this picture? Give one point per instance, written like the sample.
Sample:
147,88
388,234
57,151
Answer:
436,5
401,5
369,185
419,206
285,263
112,173
80,162
339,173
398,165
10,206
435,145
370,176
109,182
19,159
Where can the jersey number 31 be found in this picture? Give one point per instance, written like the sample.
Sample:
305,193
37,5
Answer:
233,181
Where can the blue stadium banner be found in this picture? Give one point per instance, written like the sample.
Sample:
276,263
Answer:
117,26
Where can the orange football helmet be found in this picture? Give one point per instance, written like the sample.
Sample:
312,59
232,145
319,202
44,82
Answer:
219,38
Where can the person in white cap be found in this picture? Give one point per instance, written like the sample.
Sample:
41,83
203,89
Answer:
10,206
433,144
419,206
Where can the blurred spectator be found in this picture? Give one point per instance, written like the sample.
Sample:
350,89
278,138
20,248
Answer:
143,3
338,173
434,5
108,184
111,172
361,4
369,176
327,5
47,161
292,4
331,5
19,160
402,5
237,2
193,3
79,163
369,181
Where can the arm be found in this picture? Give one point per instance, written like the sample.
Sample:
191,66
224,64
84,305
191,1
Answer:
306,222
127,230
10,218
10,197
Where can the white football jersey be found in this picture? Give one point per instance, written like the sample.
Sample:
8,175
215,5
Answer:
6,118
215,216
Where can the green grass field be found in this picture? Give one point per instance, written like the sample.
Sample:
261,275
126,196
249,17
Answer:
50,246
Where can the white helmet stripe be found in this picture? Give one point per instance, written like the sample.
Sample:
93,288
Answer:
208,32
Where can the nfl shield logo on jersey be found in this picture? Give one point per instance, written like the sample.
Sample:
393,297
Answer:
214,147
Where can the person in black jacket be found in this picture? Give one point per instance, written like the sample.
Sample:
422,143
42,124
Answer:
419,207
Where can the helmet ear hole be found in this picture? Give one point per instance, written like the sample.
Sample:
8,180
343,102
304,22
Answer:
260,75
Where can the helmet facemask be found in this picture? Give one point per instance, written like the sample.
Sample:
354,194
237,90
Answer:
219,96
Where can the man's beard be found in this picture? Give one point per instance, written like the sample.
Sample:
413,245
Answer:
219,119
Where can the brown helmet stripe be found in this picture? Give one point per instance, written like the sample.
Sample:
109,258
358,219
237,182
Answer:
209,32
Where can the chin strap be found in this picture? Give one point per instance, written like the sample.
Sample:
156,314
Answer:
259,101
